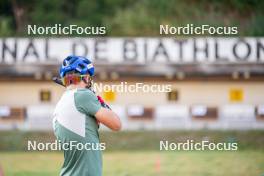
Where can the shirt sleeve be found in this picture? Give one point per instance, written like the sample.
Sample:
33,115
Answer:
86,102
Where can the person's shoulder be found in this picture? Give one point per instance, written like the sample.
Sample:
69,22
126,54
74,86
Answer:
86,101
85,93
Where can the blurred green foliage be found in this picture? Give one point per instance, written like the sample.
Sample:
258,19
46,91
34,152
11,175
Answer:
132,17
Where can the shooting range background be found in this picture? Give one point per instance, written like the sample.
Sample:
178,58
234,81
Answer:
217,94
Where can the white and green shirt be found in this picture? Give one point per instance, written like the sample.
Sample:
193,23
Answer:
74,120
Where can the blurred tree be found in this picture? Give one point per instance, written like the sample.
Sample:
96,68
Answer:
131,17
19,13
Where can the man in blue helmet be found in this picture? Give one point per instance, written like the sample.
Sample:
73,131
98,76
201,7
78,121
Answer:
76,119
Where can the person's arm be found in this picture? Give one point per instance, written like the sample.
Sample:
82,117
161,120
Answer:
87,102
108,118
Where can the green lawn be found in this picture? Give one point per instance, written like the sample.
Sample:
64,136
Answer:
128,163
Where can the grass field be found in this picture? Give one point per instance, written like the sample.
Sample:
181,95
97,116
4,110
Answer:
145,163
137,154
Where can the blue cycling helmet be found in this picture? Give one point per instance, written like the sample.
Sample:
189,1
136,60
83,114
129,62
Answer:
77,64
